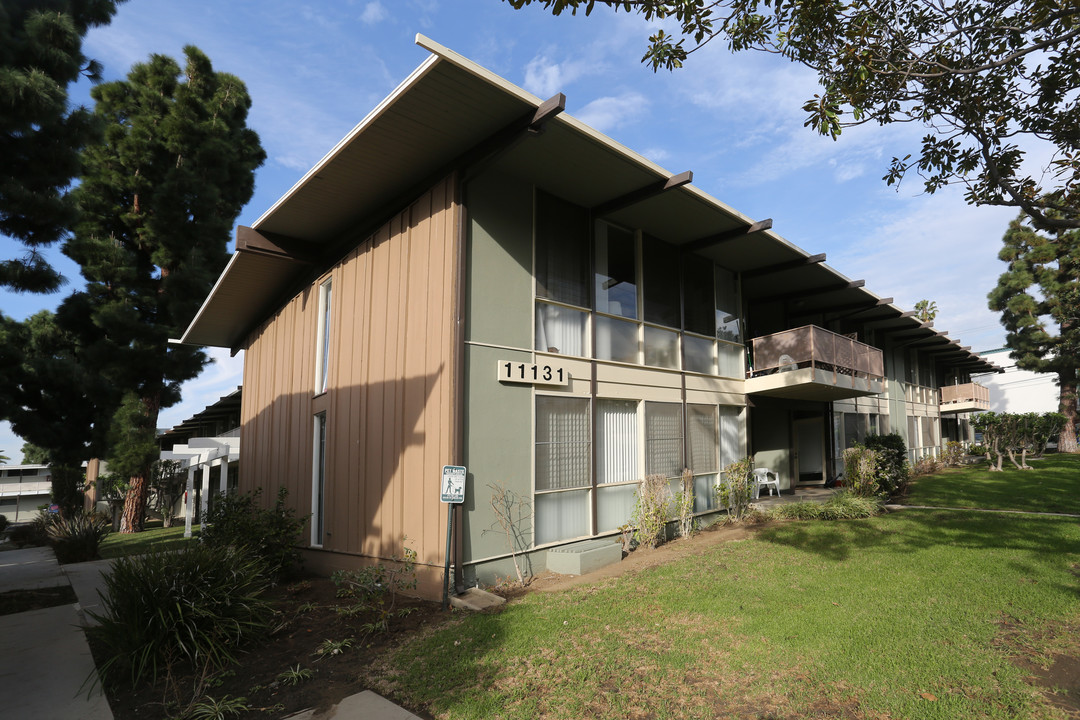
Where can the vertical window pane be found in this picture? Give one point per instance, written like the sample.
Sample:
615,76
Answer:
730,435
730,360
661,348
700,301
704,493
616,340
614,506
616,437
322,351
663,439
561,516
562,443
704,441
698,355
727,307
660,281
562,250
616,271
318,494
560,330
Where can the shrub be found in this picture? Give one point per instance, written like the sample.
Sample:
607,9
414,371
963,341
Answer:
953,454
865,471
191,606
76,537
733,492
896,473
33,532
926,466
841,506
373,581
650,510
684,505
977,450
3,523
269,534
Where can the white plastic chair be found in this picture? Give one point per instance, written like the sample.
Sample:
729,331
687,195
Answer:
761,477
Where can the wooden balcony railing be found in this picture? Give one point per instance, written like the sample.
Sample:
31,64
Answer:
967,394
815,347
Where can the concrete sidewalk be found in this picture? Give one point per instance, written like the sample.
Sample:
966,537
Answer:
44,657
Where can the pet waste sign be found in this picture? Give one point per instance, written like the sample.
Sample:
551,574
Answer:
453,484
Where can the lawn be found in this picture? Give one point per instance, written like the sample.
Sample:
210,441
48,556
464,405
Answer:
154,537
1053,485
916,614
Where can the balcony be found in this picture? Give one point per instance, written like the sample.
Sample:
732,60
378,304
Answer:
812,363
970,397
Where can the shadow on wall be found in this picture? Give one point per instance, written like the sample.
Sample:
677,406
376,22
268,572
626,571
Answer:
386,443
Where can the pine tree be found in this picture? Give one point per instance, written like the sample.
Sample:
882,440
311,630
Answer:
158,199
40,136
1038,300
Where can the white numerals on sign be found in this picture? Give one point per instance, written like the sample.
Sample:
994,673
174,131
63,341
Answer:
532,373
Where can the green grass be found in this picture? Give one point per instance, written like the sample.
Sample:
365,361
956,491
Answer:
1053,485
847,618
153,538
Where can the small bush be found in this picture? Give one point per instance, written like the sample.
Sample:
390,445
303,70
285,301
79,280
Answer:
77,537
684,505
896,473
952,455
34,533
864,471
373,581
270,534
193,606
977,450
926,466
650,510
3,523
733,492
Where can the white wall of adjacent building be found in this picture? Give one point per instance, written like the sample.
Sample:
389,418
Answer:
1016,390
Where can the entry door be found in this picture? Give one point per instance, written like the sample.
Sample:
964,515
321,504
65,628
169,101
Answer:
810,449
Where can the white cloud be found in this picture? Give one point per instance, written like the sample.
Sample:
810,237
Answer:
657,155
544,78
608,113
373,13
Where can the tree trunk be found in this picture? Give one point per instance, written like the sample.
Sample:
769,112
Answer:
1067,383
138,487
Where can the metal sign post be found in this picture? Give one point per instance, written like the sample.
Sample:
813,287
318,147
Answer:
451,492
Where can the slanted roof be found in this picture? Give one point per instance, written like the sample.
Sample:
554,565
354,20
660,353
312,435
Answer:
452,114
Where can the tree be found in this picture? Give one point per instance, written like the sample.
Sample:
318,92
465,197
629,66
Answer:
926,310
987,78
157,201
40,135
52,393
34,455
1037,298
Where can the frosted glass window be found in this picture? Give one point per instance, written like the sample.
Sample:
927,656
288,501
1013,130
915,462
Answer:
562,516
614,506
660,282
730,435
663,439
616,271
929,437
562,443
562,250
730,360
698,355
616,340
661,348
705,493
617,441
704,440
727,307
560,330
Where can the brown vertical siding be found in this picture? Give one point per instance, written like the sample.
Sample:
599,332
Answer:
390,409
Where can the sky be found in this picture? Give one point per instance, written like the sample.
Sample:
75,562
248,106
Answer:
314,70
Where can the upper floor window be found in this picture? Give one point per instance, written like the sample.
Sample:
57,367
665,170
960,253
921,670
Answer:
322,348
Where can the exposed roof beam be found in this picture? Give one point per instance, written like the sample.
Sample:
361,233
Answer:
909,330
816,291
780,267
274,245
547,110
709,241
641,194
858,307
888,320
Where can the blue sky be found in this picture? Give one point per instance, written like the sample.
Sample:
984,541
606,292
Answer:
314,71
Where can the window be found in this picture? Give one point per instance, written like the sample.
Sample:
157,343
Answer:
727,307
322,352
664,439
560,330
318,482
616,271
699,307
617,443
562,463
562,251
660,281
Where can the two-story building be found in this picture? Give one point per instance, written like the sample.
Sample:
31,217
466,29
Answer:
473,277
24,489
